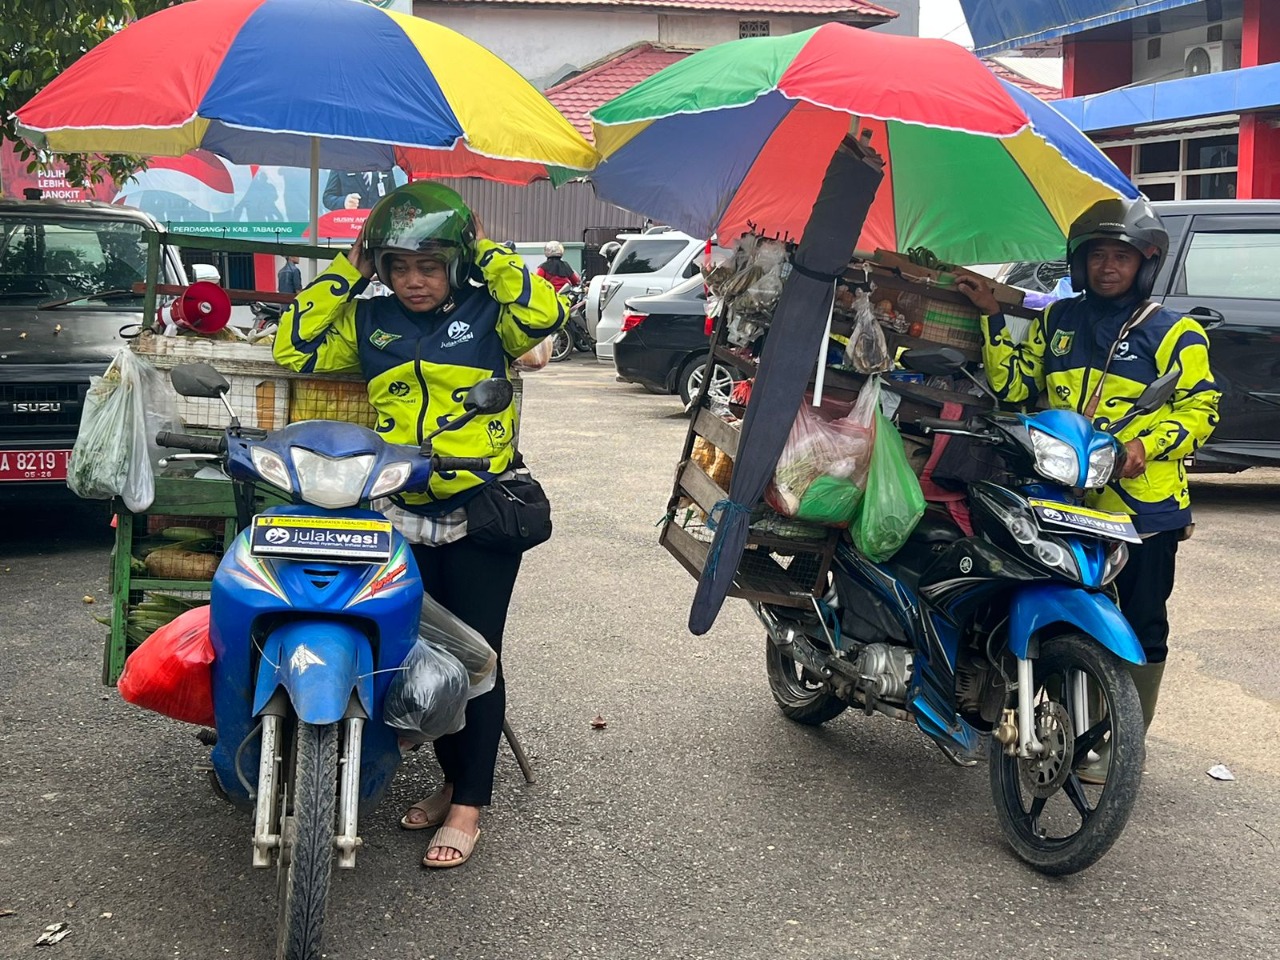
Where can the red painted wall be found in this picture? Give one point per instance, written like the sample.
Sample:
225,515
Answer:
1122,157
1261,40
264,272
1259,175
1095,66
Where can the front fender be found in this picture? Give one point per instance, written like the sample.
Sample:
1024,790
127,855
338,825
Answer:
319,663
1036,607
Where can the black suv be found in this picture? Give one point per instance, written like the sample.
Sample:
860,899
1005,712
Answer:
67,270
1223,269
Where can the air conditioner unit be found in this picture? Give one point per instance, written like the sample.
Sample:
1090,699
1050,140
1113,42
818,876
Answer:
1201,58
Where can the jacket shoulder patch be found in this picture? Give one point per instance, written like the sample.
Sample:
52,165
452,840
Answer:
381,339
1060,345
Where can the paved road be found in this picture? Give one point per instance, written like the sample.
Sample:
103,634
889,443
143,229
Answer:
698,823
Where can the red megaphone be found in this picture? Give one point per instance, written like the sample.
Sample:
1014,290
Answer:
203,307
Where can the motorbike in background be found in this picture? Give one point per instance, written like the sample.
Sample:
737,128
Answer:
313,610
574,334
1005,645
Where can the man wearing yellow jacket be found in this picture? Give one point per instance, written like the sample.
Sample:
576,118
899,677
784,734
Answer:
1094,354
464,309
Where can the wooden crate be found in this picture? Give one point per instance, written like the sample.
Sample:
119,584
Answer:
263,394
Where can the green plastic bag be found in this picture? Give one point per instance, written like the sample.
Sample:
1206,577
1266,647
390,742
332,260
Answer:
894,502
830,500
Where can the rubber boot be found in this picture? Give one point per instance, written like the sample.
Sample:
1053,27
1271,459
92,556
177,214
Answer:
1147,679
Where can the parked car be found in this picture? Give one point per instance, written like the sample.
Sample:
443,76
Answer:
664,342
1223,269
648,263
66,275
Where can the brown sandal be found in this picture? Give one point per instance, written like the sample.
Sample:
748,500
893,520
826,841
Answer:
453,839
436,807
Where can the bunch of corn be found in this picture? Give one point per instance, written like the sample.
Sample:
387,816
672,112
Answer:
153,612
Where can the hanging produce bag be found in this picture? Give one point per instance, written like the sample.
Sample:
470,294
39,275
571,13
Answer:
427,699
437,625
893,503
123,411
171,673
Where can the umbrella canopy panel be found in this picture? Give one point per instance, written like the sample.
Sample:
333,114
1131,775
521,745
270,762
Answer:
267,76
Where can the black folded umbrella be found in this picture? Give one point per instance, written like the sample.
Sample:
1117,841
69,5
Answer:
790,355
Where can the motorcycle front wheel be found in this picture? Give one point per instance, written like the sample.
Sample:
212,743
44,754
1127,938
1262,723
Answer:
1054,820
307,848
562,345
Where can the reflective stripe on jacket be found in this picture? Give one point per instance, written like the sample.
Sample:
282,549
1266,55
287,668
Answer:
419,366
1063,358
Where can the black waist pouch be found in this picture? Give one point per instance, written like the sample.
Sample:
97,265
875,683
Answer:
511,515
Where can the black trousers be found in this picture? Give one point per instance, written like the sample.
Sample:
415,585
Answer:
475,585
1144,586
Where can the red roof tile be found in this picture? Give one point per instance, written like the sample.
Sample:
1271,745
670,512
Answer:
829,8
1018,80
606,79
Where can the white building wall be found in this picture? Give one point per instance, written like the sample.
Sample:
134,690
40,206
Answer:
537,43
694,31
908,21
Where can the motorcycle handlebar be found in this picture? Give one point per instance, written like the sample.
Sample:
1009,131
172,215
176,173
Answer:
454,464
186,441
934,423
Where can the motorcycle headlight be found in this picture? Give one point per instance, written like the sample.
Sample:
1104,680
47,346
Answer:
1055,459
1117,557
1102,464
271,468
328,482
1045,548
391,479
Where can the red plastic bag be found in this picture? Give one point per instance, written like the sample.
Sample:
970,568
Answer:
169,672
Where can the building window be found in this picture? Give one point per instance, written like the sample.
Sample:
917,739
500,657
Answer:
753,28
1202,168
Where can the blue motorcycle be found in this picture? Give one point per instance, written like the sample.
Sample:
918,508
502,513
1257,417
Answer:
313,610
1006,644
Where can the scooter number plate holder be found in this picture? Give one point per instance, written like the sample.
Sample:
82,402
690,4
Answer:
343,539
1097,523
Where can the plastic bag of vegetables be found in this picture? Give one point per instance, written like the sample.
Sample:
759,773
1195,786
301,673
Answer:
124,409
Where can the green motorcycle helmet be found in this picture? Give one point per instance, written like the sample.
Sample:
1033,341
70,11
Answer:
423,218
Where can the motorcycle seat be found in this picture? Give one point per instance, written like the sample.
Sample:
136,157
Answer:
935,529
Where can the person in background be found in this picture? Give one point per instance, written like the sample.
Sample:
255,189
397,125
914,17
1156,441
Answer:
1094,353
463,309
357,191
289,278
554,269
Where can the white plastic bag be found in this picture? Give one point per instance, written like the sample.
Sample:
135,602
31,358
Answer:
115,447
437,625
866,350
427,699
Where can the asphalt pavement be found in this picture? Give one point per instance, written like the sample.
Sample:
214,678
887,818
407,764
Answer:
698,823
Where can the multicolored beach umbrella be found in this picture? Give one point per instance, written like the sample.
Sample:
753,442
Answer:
738,137
338,84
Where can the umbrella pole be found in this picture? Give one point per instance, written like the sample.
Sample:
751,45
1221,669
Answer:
315,204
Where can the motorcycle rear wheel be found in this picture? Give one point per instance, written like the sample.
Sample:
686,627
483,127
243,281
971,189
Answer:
1024,789
800,695
308,850
562,345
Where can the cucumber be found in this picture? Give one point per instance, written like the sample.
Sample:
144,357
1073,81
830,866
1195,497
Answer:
186,533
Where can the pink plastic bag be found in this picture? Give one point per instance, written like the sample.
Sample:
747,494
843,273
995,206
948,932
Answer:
170,671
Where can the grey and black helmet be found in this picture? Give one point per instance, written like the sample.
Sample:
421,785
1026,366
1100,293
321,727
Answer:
1133,221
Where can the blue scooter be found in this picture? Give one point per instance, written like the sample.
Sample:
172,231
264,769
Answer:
313,609
1006,644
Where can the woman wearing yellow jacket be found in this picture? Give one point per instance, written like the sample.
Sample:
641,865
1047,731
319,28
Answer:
1095,354
464,308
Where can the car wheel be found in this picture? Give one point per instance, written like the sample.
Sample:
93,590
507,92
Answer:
690,381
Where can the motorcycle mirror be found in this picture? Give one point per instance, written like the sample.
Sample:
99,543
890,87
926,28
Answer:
1157,394
489,396
933,361
198,380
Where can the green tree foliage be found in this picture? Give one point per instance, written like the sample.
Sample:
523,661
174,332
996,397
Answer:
41,38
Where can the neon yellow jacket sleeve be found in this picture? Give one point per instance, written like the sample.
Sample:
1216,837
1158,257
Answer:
1194,412
1014,370
317,331
531,309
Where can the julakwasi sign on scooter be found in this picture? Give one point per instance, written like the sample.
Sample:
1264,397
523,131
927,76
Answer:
1066,516
329,538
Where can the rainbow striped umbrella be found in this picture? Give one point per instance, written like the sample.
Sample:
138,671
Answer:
321,83
738,137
